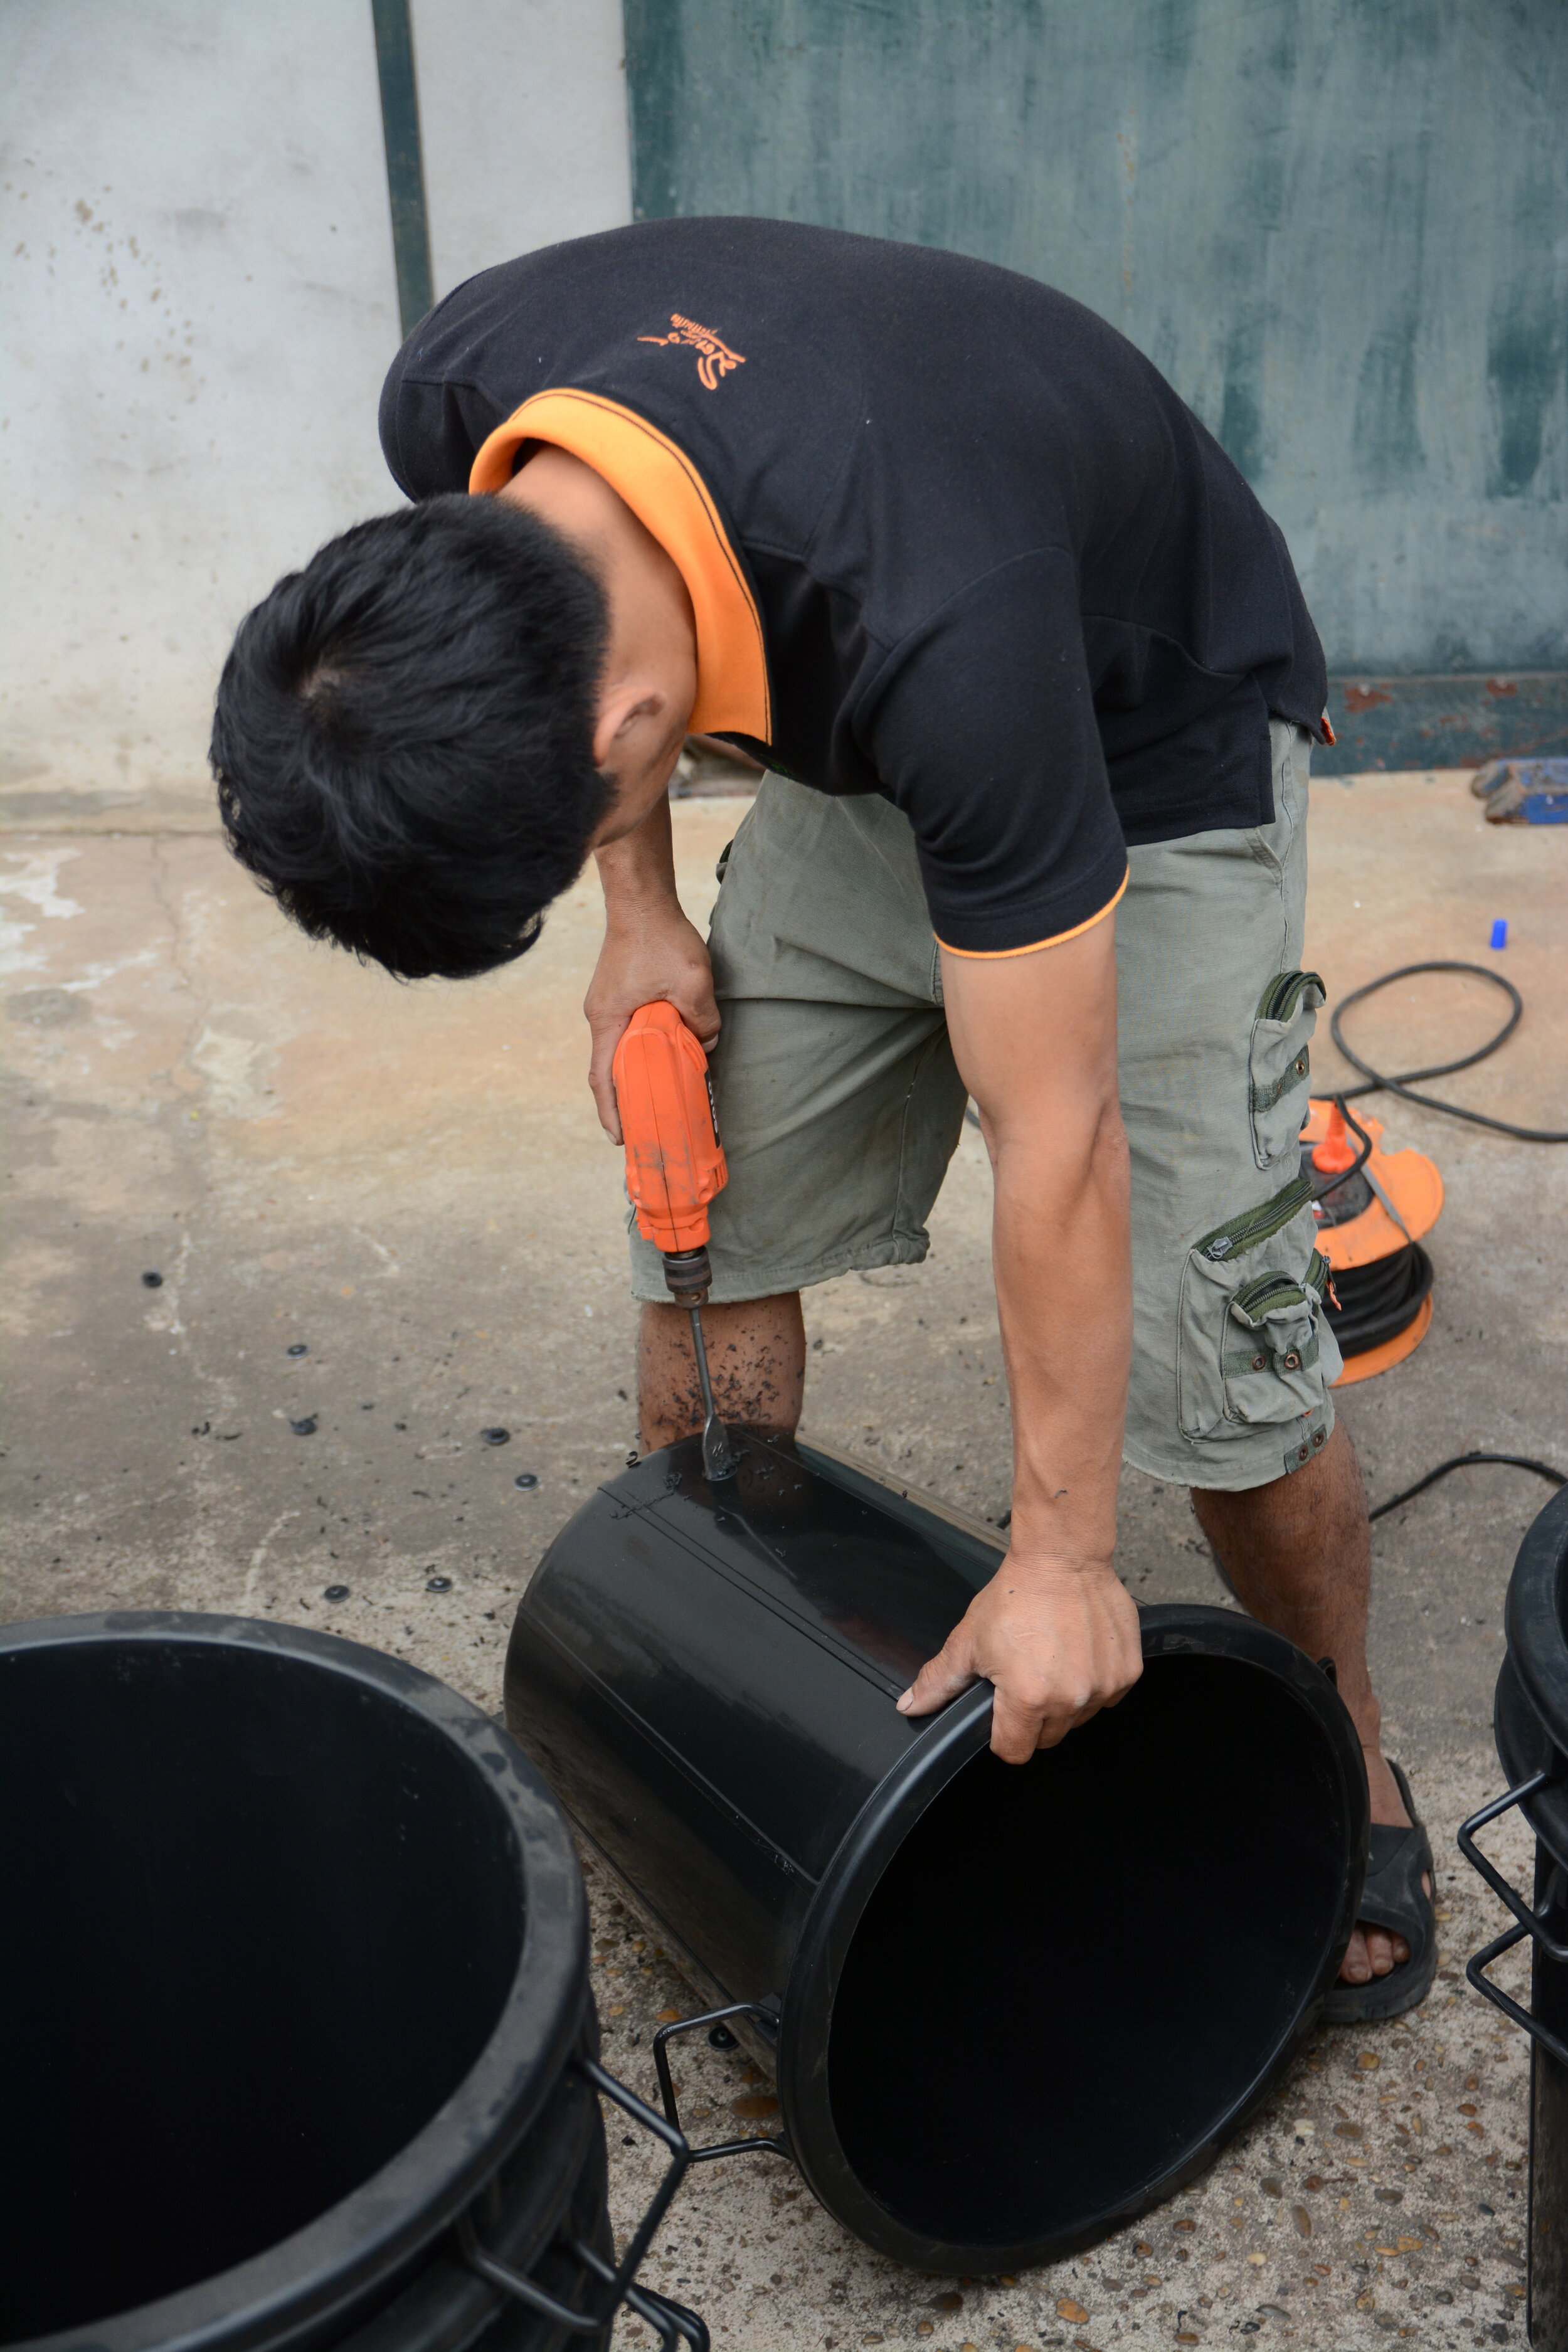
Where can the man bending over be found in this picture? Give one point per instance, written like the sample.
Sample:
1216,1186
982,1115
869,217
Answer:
1036,691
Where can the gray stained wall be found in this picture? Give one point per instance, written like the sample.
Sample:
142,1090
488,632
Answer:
1339,226
198,290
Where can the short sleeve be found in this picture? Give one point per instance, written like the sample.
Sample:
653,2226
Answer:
981,726
430,429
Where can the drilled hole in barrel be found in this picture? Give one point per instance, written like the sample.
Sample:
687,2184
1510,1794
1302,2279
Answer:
262,1923
1073,1971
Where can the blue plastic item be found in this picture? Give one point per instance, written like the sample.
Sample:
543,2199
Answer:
1500,934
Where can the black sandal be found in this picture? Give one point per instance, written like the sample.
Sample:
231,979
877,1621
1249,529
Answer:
1393,1898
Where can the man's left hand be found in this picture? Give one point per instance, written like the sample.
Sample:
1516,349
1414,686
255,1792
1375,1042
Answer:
1058,1638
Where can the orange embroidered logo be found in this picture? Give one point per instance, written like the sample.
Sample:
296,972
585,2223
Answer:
715,357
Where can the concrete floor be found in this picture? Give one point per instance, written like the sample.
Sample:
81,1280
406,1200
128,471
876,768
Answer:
409,1183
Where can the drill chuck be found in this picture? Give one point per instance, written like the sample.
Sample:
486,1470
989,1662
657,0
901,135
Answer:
689,1275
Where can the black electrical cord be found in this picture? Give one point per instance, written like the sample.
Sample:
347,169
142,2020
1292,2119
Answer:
1370,1305
1376,1302
1379,1082
1459,1461
1345,1175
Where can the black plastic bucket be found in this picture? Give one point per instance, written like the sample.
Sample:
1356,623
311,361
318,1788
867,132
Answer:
1530,1723
294,1981
1015,2007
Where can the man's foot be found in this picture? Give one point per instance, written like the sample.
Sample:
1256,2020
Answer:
1375,1951
1297,1555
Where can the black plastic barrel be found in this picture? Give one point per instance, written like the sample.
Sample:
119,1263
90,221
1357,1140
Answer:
294,1977
1530,1725
1016,2006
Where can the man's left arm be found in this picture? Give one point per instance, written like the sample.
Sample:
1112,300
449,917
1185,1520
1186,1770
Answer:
1055,1631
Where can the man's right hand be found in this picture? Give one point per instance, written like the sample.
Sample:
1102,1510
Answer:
648,957
1058,1639
651,954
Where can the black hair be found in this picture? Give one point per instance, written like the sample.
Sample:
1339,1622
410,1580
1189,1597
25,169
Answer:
404,735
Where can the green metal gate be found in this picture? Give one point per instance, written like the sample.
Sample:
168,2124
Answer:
1339,226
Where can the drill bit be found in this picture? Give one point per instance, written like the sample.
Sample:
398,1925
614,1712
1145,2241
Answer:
718,1460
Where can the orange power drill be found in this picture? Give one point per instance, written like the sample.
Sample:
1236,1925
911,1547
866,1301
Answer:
675,1165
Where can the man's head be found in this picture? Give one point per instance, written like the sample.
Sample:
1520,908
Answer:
412,744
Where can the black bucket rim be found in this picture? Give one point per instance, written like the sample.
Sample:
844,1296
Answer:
1531,1719
1525,1747
954,1738
408,2202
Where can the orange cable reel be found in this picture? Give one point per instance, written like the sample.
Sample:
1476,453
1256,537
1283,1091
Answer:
1379,1212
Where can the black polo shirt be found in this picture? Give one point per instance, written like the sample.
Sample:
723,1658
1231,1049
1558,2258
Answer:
949,537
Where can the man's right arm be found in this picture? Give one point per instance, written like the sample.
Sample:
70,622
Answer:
651,952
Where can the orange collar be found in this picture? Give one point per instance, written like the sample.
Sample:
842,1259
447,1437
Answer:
669,498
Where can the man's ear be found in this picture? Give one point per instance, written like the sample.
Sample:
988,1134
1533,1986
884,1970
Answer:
622,712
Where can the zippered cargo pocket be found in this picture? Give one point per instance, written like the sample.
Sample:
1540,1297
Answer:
1252,1227
1280,1062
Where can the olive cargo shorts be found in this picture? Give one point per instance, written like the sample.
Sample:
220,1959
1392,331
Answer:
841,1105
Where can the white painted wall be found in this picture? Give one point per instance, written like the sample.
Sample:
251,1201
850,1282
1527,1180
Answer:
524,119
197,284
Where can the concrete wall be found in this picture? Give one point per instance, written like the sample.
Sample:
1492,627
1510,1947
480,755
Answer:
198,290
523,111
1340,229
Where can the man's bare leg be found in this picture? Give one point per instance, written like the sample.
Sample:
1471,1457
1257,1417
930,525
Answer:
1298,1555
757,1359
